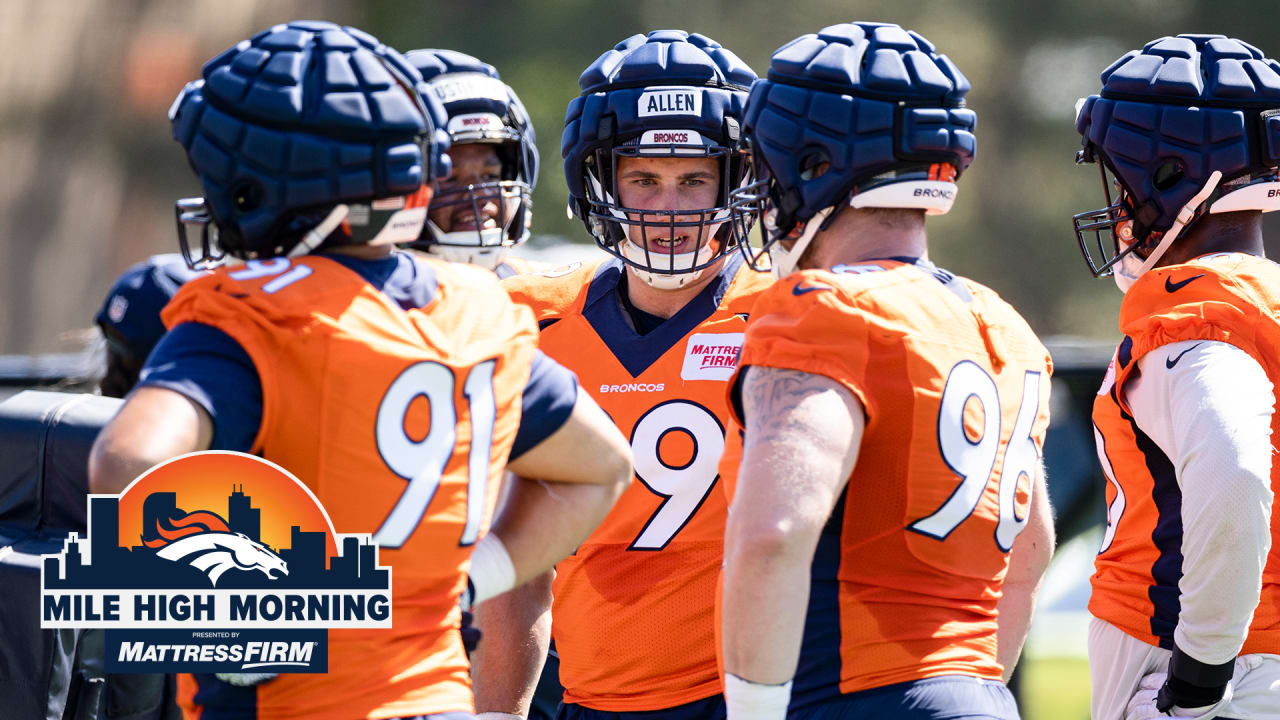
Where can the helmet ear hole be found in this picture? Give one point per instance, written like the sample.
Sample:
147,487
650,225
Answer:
1167,175
247,196
813,163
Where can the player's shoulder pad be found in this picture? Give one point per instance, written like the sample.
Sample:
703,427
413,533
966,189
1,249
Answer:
553,293
246,292
1223,296
746,287
808,303
1219,279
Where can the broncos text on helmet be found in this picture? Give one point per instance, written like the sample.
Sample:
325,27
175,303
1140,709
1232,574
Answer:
1186,126
307,134
858,115
486,207
662,95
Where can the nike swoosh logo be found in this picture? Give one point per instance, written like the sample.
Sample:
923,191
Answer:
1170,362
1171,286
802,289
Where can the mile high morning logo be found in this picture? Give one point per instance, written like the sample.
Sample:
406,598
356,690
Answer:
214,562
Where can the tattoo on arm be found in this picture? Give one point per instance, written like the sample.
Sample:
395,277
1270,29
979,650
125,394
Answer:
771,398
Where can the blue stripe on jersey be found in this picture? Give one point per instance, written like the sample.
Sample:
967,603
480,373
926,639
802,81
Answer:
603,310
223,701
817,676
1167,536
546,404
1124,353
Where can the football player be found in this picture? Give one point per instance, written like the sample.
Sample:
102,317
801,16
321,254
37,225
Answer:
650,154
314,352
1186,588
889,523
130,317
481,210
484,207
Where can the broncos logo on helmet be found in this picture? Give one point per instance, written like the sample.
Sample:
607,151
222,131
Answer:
666,94
203,540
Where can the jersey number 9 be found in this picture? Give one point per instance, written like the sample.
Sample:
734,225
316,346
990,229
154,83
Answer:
684,486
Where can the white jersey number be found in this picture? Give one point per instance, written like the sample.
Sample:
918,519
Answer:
254,269
1116,509
974,460
683,487
422,462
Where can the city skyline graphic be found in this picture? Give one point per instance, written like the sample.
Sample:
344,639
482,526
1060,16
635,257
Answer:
110,565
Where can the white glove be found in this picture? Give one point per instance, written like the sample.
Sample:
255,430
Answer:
1143,704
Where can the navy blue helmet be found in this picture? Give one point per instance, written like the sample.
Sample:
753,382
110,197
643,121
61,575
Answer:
480,109
858,115
665,94
1188,125
130,317
304,129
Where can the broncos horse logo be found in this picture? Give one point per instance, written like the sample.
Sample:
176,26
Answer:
203,540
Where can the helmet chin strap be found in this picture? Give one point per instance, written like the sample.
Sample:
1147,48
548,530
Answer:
319,233
1126,275
666,281
783,261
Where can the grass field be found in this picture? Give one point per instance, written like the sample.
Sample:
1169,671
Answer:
1055,689
1054,667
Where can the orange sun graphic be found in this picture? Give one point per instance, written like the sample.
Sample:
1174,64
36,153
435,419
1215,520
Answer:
205,482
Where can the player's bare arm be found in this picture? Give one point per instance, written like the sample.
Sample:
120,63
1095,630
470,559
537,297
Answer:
579,493
154,424
517,633
803,433
1028,562
517,623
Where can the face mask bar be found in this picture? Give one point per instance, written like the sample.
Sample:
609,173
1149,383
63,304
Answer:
193,213
1107,219
748,206
509,195
619,225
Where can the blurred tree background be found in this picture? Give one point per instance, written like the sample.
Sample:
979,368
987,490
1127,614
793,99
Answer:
90,172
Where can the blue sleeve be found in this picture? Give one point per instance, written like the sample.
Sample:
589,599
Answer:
209,367
546,404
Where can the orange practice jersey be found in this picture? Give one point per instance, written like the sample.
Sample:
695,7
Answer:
358,396
955,387
1232,298
633,612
